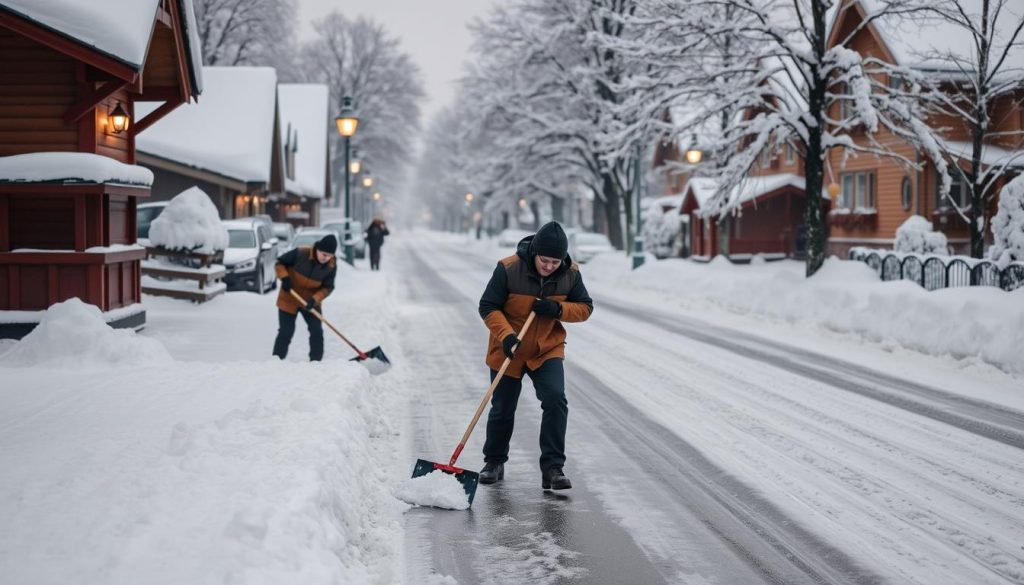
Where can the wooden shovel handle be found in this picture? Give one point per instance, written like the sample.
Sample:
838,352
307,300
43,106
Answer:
490,391
299,298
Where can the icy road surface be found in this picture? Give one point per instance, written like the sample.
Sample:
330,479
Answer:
704,454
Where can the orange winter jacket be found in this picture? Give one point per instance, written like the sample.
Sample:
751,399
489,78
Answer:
508,300
311,279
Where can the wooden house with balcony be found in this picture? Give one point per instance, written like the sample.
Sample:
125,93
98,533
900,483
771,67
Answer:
877,194
71,73
227,144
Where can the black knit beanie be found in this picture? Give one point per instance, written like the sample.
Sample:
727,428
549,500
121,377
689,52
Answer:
328,244
550,241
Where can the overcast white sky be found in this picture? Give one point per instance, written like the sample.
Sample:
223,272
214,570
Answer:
433,31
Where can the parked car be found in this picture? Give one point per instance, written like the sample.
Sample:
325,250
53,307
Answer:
145,213
250,256
284,232
510,238
585,245
355,235
308,236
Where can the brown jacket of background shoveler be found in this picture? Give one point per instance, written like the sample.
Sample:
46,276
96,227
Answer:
508,300
310,278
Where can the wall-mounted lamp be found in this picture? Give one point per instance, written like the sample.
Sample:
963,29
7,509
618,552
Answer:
119,119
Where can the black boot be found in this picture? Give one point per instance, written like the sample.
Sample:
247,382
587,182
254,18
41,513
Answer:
554,479
492,472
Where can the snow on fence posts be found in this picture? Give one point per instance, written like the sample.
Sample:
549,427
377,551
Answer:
188,241
934,271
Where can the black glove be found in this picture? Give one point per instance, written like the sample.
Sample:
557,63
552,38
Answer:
286,283
508,344
310,305
546,308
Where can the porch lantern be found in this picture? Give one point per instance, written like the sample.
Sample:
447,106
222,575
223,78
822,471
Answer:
693,154
119,119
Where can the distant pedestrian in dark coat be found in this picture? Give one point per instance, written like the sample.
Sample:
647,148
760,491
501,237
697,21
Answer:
310,272
375,239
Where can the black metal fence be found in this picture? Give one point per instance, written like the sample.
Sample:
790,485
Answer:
938,272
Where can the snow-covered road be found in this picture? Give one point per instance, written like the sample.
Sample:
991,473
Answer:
730,457
709,442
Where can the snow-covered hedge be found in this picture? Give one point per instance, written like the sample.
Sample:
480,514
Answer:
661,228
191,223
1008,224
916,236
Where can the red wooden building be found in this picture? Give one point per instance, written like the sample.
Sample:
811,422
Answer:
768,219
70,74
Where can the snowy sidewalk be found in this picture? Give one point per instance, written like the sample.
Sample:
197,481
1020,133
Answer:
205,462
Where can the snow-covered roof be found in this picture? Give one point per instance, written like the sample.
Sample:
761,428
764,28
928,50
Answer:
119,28
922,39
71,167
749,188
230,131
302,111
991,156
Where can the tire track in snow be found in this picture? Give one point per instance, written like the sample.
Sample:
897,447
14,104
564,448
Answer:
772,546
981,418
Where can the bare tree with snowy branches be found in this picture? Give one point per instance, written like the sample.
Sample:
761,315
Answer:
246,32
770,72
360,59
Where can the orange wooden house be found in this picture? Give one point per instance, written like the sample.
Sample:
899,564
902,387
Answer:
70,73
878,194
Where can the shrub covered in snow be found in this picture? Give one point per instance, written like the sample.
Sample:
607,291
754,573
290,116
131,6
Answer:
190,222
916,236
1008,224
661,228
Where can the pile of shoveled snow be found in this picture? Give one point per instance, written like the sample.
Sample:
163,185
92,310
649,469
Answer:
437,489
845,296
189,222
74,334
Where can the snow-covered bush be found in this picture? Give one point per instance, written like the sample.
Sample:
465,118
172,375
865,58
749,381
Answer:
1008,224
661,229
189,222
916,236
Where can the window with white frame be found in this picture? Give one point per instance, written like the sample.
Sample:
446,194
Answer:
858,190
959,191
846,110
906,193
790,154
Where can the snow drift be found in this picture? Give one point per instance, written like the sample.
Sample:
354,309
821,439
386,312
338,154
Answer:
73,334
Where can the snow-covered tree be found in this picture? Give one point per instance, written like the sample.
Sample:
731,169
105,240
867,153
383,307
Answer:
975,57
360,59
246,32
542,88
1008,224
769,73
916,236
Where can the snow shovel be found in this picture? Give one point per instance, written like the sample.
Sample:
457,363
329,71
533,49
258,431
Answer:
376,353
470,479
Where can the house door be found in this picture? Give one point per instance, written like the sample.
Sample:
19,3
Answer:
723,236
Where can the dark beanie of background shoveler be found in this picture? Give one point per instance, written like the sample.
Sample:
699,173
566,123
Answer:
328,244
550,241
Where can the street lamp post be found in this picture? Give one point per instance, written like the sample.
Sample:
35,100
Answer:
638,240
347,123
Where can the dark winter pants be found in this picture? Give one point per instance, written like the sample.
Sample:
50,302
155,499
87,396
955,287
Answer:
549,382
286,329
374,257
